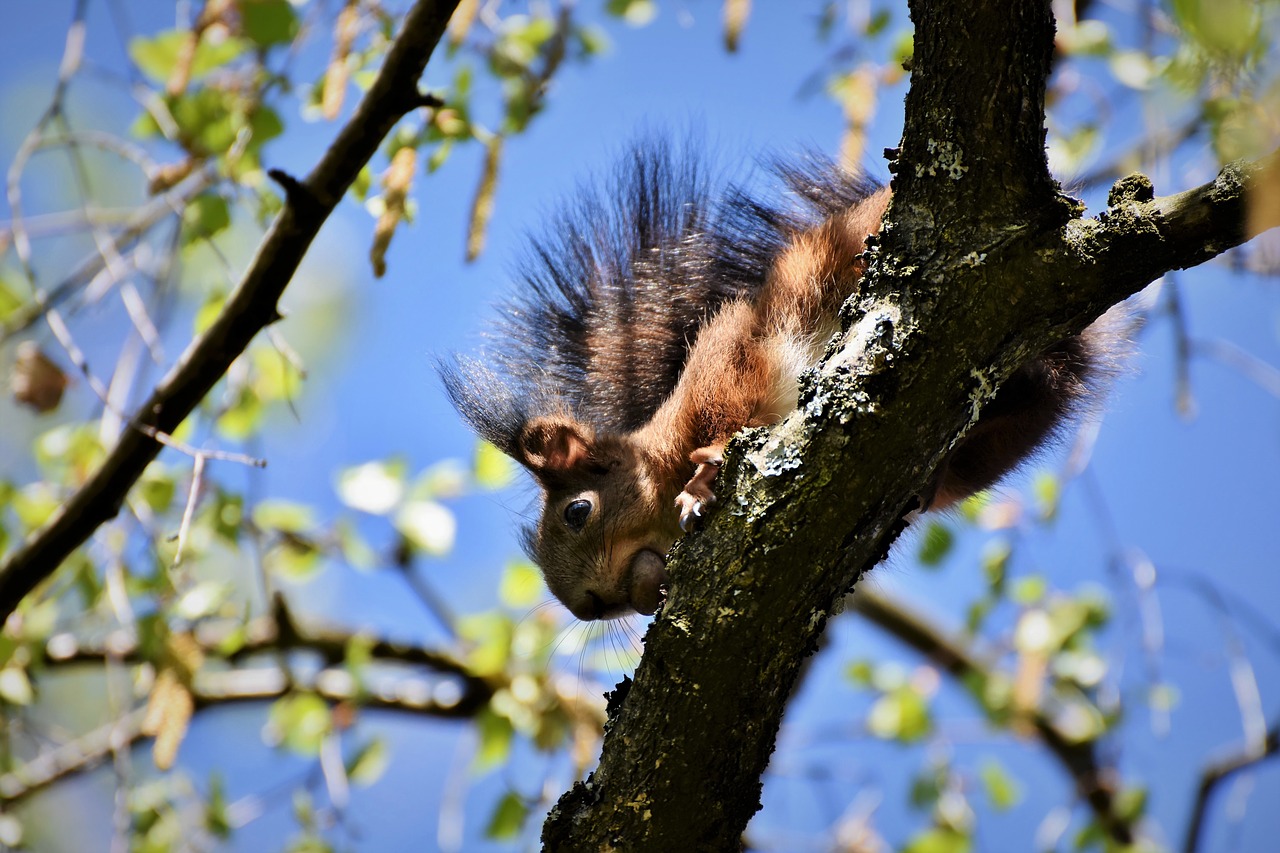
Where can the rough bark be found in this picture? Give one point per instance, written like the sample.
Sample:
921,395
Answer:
982,264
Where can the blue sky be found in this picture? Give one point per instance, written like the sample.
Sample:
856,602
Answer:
1195,495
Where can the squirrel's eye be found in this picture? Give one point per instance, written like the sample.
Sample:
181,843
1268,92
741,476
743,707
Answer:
576,515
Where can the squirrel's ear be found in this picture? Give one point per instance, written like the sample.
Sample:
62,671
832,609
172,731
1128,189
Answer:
553,447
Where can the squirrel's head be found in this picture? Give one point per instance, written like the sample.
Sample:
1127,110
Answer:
603,536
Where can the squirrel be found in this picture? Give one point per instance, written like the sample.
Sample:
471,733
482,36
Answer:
658,317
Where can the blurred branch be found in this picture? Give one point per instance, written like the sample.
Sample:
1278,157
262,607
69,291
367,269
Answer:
1218,772
250,308
1095,784
212,688
278,632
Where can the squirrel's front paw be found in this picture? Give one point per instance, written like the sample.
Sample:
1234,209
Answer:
691,507
697,494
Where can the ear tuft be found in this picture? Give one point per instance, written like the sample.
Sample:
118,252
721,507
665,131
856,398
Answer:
554,447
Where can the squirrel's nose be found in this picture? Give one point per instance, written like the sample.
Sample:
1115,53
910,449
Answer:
648,582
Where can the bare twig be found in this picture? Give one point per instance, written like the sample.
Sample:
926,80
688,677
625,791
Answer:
1218,772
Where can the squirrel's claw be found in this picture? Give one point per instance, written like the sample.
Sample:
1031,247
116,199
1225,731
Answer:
691,508
697,494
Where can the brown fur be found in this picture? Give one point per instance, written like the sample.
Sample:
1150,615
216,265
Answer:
627,449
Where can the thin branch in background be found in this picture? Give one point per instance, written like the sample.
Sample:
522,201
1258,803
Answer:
1138,568
1218,772
1184,399
1257,371
189,511
137,226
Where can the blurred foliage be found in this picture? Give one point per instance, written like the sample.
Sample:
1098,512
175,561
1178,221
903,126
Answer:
164,602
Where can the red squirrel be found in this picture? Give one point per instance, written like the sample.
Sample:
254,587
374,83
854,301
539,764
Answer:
657,319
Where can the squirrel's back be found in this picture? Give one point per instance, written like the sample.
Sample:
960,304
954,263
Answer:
611,297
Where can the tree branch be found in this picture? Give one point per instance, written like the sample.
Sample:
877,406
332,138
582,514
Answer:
1220,771
251,307
968,284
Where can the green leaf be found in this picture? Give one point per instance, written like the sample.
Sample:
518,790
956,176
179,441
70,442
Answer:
34,503
1048,493
1131,804
369,763
1002,789
227,516
1029,590
374,487
490,635
493,468
157,57
1228,29
936,544
637,13
157,487
507,819
860,672
205,216
521,585
358,553
293,560
901,715
217,820
447,478
496,734
203,599
15,687
939,840
268,22
10,301
283,515
300,723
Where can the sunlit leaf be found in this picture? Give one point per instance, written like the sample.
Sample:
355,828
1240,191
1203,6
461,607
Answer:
15,687
445,479
637,13
283,515
374,487
507,818
268,22
493,468
369,763
490,636
935,544
901,715
939,840
203,599
428,526
521,585
157,57
205,216
496,734
299,723
1003,790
